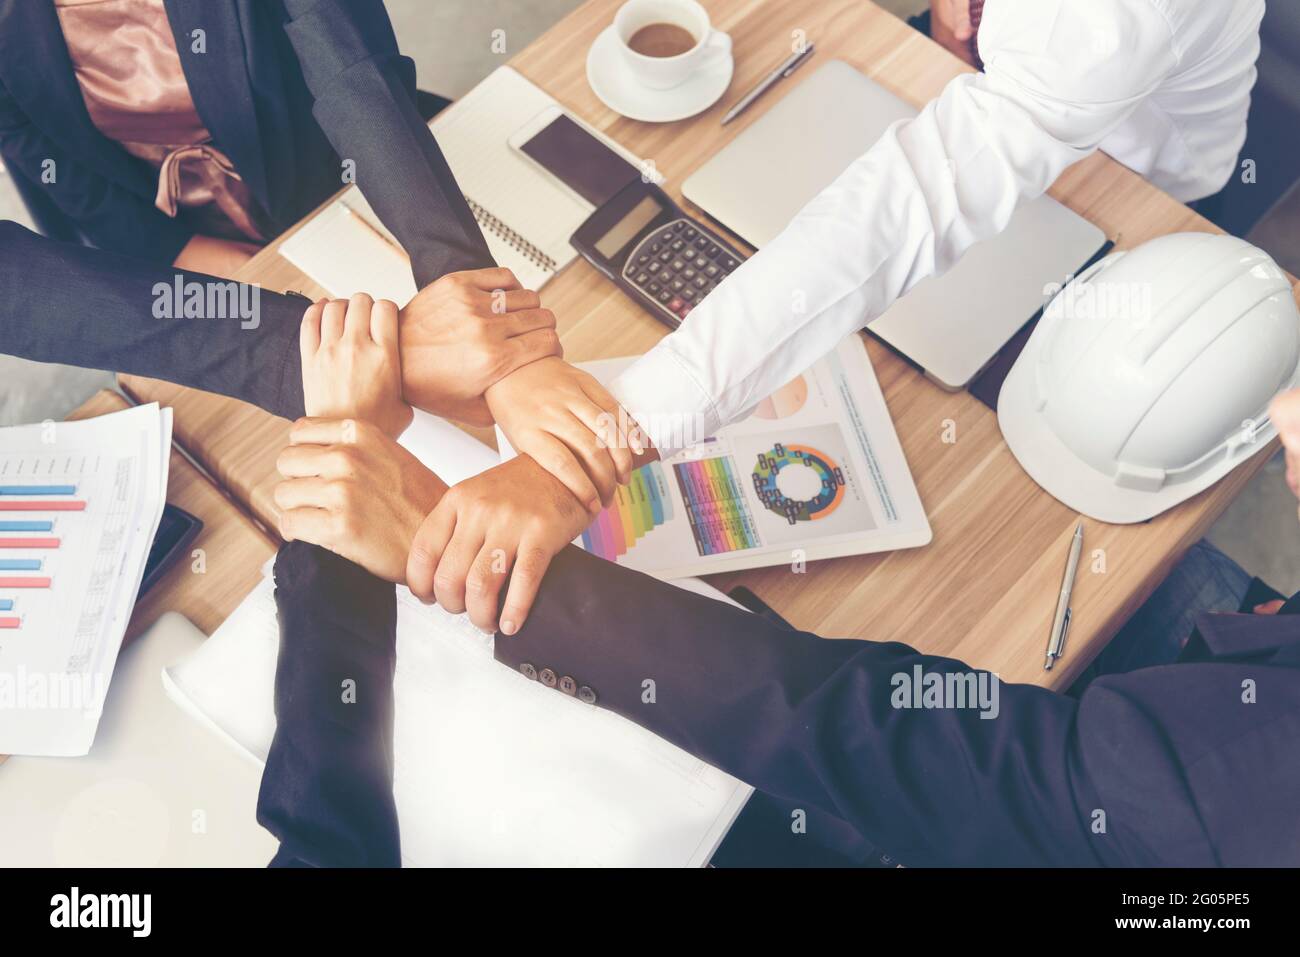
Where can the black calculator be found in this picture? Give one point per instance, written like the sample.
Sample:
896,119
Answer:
657,254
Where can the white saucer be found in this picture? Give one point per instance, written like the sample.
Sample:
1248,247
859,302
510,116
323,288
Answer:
611,81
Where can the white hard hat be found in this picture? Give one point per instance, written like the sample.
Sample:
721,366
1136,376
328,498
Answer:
1148,378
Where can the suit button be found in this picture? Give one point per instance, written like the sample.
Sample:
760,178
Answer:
568,685
586,695
547,677
528,671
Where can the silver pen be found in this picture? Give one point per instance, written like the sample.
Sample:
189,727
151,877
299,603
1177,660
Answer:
788,66
1061,623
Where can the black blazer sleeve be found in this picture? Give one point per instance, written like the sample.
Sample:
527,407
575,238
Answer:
106,214
87,307
810,720
365,102
1181,765
327,792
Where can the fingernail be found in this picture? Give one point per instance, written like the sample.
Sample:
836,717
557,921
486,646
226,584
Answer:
507,627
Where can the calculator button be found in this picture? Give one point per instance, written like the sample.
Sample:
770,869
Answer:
655,247
691,233
642,278
700,262
714,249
711,271
701,243
677,245
685,310
643,258
700,282
729,264
655,266
654,288
665,296
689,273
678,285
678,265
688,294
676,304
666,235
678,226
666,255
665,275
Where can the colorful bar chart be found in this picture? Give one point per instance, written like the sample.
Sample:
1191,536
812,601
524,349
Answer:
33,498
639,507
43,525
715,504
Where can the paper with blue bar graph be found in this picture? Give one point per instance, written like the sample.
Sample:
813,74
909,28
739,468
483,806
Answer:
80,503
815,471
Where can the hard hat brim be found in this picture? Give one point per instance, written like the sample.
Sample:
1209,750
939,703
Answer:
1072,481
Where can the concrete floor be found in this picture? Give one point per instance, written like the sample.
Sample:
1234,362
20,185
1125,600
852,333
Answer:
452,44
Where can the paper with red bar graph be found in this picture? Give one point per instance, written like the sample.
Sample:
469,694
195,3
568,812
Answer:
815,471
80,503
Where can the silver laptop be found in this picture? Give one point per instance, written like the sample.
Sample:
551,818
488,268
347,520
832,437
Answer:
952,326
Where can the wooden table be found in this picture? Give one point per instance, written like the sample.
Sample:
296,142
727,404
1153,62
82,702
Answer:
985,590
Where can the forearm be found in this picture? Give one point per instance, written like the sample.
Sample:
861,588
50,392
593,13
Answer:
811,721
908,209
87,307
364,92
327,791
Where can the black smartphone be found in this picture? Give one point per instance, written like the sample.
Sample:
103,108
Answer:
575,157
175,532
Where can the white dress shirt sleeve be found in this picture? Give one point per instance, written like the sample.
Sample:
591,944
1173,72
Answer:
1060,75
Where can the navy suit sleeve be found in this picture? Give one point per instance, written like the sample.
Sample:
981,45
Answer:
67,303
810,720
106,214
365,102
327,792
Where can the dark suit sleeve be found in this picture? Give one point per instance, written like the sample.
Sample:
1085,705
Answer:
106,214
327,792
365,102
61,302
810,720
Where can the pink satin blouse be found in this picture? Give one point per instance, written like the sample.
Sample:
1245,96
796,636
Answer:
126,63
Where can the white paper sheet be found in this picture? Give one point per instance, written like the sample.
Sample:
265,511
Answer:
56,665
815,471
492,769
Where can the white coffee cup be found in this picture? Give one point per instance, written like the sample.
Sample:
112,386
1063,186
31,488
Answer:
664,73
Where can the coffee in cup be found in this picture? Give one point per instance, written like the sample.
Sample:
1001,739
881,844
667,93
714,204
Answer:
664,43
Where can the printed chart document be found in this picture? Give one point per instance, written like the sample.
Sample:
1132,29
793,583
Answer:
492,769
815,471
80,503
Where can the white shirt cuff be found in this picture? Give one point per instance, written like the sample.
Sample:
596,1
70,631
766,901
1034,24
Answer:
666,400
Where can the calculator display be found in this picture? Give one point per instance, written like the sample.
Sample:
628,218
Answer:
626,229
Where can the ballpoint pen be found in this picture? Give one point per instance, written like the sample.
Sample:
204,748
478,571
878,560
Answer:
788,66
1061,623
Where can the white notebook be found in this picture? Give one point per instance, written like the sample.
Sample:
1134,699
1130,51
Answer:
492,769
525,214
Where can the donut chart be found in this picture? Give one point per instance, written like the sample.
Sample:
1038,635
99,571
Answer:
819,504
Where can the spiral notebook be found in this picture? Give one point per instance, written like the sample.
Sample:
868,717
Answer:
526,216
